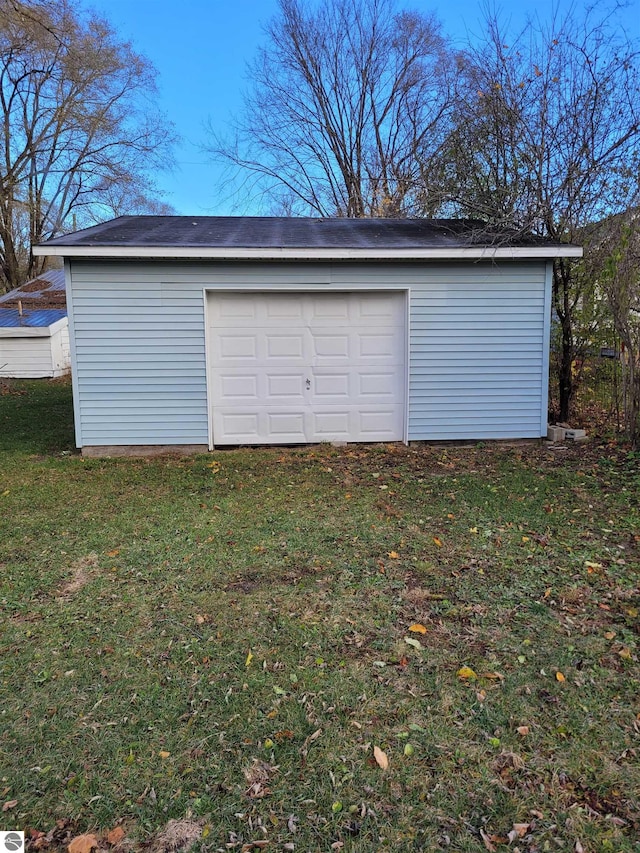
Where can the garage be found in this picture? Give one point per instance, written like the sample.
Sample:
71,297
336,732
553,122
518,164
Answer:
193,333
306,367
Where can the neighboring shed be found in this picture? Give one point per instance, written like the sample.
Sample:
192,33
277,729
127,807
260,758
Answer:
195,332
34,329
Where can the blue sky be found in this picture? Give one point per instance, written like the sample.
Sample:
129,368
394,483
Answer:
201,49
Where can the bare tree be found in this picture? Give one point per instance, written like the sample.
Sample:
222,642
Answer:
615,267
548,141
80,126
344,98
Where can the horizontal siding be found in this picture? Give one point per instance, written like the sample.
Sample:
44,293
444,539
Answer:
475,343
476,354
26,358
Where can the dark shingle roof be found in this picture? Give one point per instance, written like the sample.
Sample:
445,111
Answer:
291,233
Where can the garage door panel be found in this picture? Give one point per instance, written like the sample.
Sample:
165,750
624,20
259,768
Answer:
376,346
238,387
378,424
330,346
232,310
378,308
233,347
284,346
323,309
330,387
282,307
287,426
287,387
239,427
306,367
379,384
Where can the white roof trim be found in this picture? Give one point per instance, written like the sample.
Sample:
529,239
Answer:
33,331
319,254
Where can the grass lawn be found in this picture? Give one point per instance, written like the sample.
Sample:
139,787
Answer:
245,639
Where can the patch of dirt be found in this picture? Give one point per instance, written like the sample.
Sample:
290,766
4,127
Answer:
177,835
81,572
611,803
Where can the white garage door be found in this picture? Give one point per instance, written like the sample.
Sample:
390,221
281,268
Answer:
290,368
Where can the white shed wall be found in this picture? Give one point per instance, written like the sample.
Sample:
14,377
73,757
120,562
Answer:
477,343
38,355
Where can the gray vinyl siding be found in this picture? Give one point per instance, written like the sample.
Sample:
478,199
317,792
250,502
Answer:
476,343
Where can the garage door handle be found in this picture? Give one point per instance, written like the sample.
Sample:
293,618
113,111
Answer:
308,383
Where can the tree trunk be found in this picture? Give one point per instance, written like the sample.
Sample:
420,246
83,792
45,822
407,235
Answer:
563,306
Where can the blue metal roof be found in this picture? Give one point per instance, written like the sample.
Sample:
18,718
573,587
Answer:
39,318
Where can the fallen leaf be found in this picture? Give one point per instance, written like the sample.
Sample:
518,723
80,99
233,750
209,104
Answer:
437,541
487,842
523,730
10,804
547,592
465,672
519,831
560,677
83,844
115,836
591,565
493,676
610,635
200,620
381,758
411,641
249,659
625,653
393,555
164,754
417,628
113,553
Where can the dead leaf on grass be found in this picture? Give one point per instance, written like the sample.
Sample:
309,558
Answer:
487,842
83,844
258,775
417,628
523,731
381,758
115,836
10,804
519,831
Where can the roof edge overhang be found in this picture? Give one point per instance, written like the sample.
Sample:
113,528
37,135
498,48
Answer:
488,253
33,331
